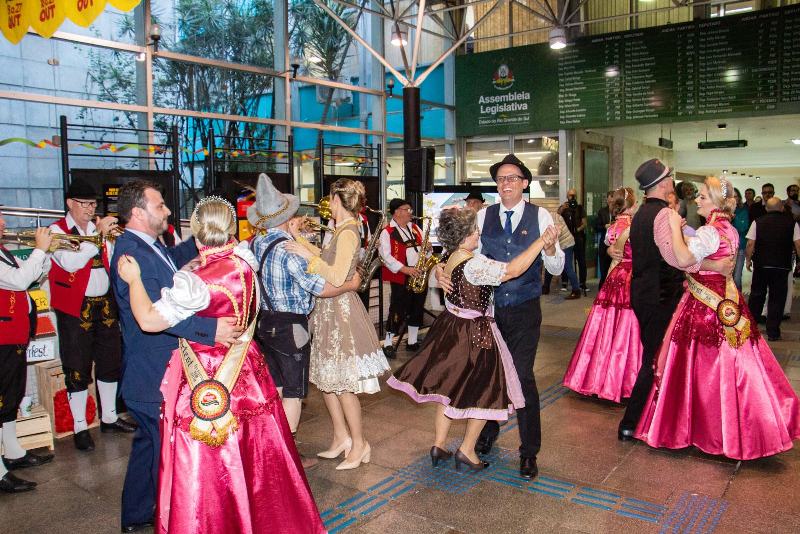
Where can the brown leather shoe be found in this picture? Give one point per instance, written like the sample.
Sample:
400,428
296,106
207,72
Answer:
574,295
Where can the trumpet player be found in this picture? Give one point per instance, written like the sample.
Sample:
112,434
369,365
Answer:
400,249
86,315
17,322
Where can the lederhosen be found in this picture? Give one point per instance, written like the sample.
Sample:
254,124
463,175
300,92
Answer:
404,304
288,364
17,326
88,328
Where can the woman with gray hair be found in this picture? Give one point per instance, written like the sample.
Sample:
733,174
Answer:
464,364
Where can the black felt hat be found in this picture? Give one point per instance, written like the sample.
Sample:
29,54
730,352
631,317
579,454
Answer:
79,188
511,159
396,203
474,195
651,172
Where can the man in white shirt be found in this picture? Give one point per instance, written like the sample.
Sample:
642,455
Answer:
86,315
400,247
17,322
508,228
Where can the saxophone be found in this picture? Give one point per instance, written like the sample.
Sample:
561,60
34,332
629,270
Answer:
426,262
371,260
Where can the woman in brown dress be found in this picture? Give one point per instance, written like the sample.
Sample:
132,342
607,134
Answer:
346,356
464,364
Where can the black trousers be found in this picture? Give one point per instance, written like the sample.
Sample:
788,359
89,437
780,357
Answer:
580,257
13,375
519,326
653,323
404,305
605,263
288,363
93,338
776,282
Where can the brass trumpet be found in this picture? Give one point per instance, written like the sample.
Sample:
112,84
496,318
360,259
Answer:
323,209
27,238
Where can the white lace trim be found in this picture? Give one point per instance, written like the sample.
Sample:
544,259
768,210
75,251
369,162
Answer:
481,271
368,368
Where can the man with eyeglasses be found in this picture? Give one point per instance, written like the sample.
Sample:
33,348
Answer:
400,247
507,229
758,209
86,315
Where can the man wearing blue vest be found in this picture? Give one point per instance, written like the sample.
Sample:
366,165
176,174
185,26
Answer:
507,229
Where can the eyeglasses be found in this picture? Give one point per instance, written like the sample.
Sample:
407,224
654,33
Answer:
511,178
408,209
86,203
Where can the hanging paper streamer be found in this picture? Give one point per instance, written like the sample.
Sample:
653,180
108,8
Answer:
15,20
83,12
45,16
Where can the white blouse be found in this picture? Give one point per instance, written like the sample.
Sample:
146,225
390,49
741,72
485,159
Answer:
481,271
704,243
189,293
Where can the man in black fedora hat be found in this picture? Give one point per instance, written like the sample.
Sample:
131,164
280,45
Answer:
507,229
86,314
474,200
656,282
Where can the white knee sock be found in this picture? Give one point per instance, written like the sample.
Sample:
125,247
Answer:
77,405
108,399
11,447
3,470
413,332
387,342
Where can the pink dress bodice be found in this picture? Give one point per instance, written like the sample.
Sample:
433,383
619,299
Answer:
620,224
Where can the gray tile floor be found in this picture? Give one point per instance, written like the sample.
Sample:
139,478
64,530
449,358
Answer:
589,481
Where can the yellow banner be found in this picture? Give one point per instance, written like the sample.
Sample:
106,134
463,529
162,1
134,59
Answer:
15,20
83,12
45,16
125,5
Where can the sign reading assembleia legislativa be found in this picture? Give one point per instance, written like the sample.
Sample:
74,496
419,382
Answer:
742,65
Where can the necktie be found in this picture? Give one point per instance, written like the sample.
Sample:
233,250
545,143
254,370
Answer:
163,250
507,227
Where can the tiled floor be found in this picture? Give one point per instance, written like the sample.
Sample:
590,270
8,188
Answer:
589,481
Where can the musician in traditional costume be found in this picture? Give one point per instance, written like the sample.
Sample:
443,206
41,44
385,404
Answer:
346,359
400,248
86,315
608,355
464,365
228,460
718,386
17,324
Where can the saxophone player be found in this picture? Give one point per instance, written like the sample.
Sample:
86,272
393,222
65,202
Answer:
400,248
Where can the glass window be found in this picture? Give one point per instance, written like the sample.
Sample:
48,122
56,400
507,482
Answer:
480,155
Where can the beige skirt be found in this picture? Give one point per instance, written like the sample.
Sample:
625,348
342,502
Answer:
346,355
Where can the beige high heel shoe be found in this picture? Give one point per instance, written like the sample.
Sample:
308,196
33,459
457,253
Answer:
365,457
343,447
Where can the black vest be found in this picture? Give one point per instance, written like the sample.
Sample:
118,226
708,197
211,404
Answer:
774,243
654,282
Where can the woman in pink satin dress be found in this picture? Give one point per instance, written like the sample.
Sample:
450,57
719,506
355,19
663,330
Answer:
718,386
228,460
609,353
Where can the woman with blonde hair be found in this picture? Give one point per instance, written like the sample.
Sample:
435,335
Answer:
718,386
346,356
608,355
228,460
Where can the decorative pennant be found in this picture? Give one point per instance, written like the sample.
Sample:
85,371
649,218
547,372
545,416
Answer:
14,19
83,12
45,16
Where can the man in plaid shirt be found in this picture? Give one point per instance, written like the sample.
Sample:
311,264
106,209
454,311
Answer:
287,297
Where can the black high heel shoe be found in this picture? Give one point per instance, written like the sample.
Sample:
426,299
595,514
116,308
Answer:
439,454
461,458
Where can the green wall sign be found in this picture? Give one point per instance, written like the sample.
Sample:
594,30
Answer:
742,65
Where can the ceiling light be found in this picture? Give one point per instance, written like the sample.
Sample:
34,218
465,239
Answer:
532,140
558,38
399,37
796,141
479,161
612,71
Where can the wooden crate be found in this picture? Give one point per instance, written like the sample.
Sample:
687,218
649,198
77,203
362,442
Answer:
35,430
50,379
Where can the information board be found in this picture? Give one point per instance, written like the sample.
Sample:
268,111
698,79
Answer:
745,64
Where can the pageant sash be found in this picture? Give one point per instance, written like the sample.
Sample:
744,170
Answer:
729,311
